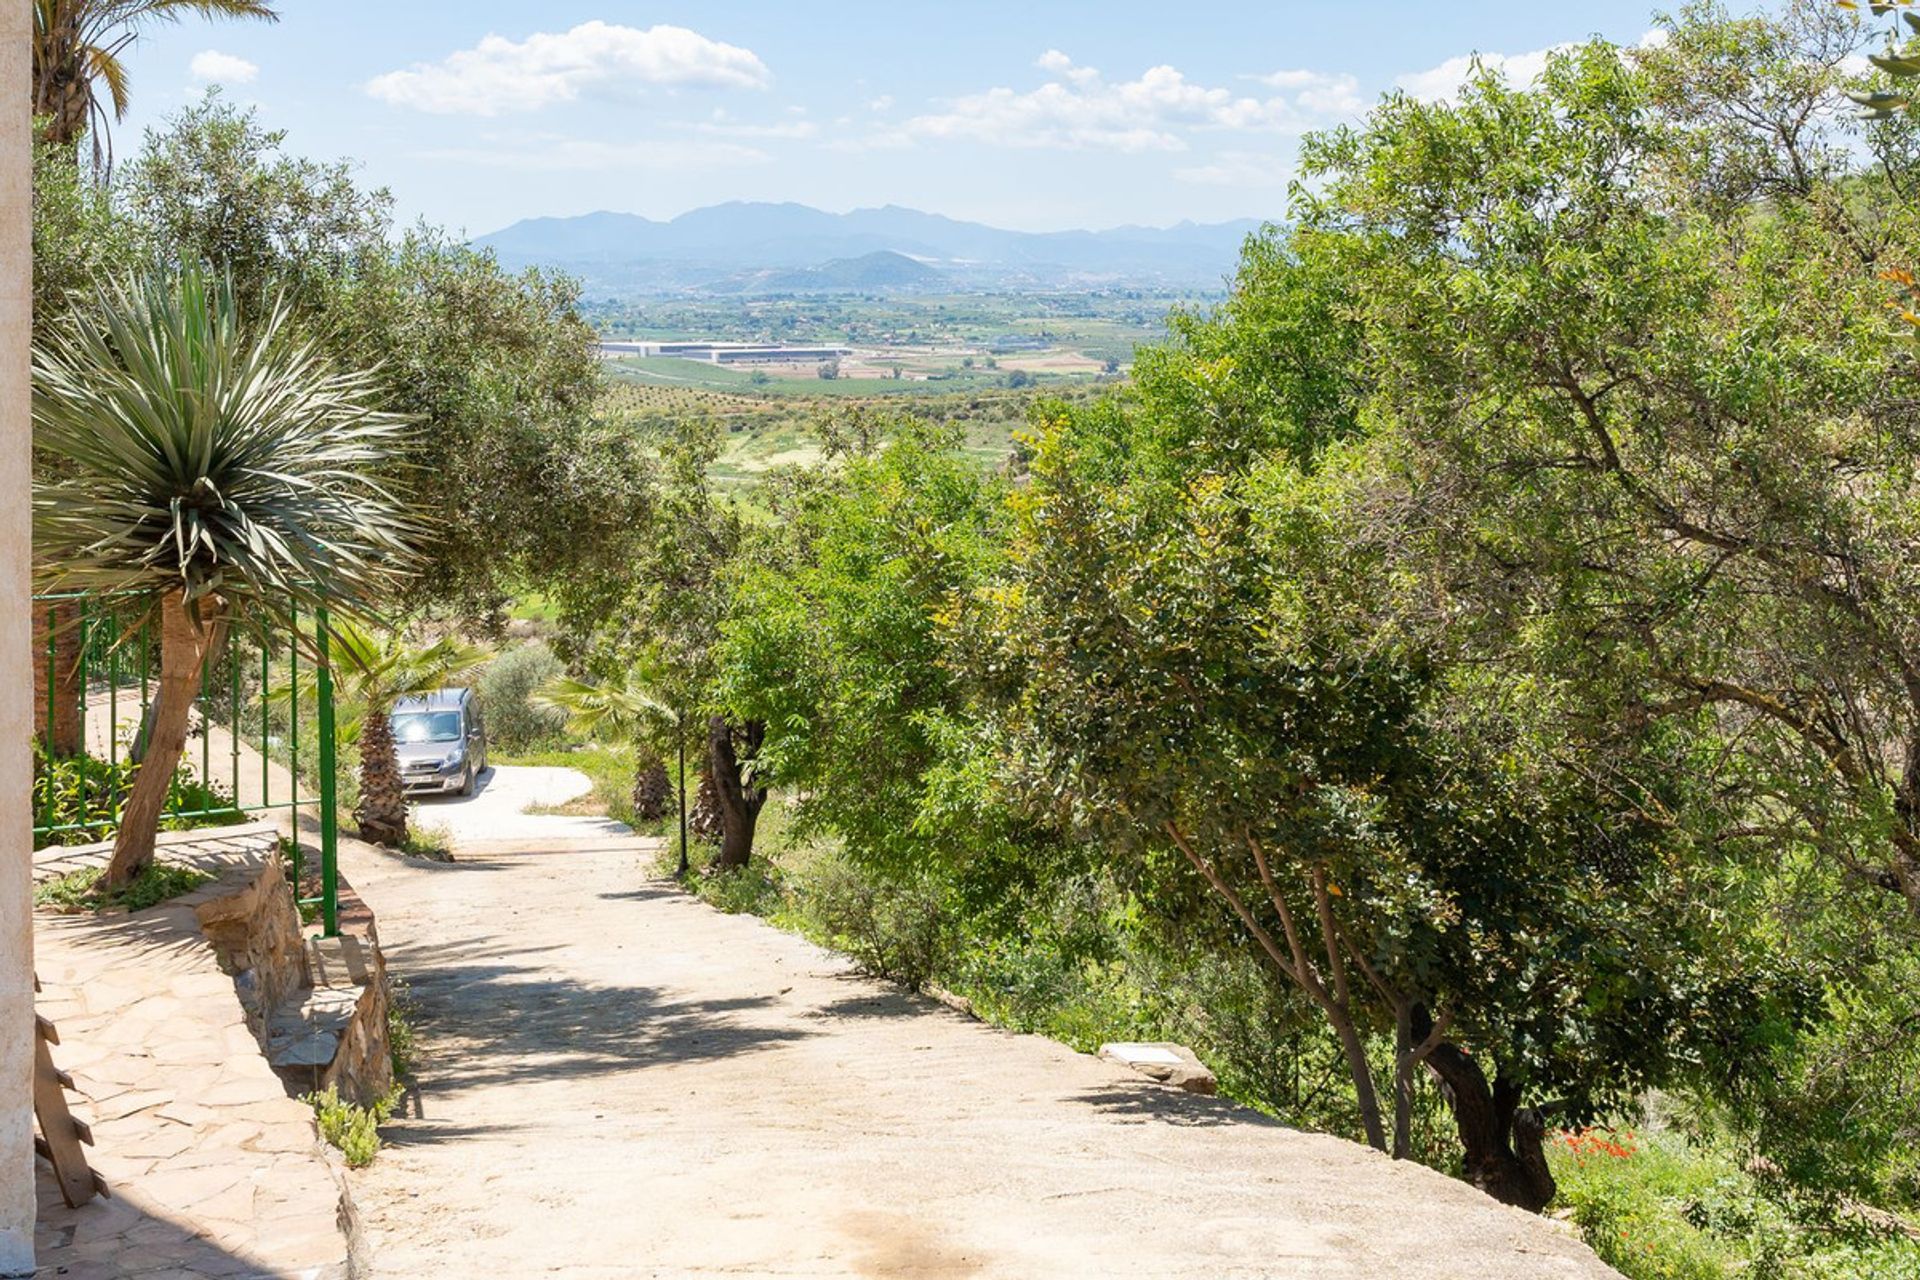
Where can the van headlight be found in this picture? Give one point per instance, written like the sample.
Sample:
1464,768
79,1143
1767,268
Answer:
454,757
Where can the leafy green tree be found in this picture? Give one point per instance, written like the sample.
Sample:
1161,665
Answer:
1196,659
215,465
833,641
658,608
79,237
1658,446
498,369
212,186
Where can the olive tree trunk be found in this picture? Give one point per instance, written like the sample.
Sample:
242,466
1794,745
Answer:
184,647
1503,1144
382,812
740,803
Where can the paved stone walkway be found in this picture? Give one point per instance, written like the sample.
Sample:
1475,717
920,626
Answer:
214,1170
621,1082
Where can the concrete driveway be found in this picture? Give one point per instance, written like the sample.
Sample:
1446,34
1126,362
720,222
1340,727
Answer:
497,809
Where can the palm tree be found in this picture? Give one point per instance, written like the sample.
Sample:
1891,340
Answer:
381,668
214,470
77,45
633,709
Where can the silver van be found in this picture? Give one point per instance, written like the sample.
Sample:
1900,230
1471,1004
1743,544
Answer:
441,741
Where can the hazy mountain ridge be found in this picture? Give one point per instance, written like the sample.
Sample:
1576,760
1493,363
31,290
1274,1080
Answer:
712,247
883,270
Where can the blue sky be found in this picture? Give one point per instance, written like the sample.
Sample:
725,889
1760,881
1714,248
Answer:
1037,115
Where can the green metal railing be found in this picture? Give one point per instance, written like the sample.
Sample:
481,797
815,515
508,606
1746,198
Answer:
115,672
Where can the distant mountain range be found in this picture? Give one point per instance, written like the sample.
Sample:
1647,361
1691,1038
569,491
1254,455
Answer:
881,271
744,247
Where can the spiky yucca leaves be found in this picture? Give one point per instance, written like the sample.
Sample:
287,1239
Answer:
216,467
77,45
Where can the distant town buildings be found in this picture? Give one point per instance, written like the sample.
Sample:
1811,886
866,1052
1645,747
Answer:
726,352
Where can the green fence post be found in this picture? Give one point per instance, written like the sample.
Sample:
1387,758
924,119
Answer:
329,820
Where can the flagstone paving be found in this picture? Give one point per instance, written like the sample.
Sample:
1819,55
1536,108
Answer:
213,1170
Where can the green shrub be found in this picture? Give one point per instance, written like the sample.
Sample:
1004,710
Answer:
79,796
79,891
349,1127
514,722
896,930
755,889
426,840
1661,1206
403,1041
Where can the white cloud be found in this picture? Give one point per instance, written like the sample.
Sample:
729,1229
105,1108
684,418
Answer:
1247,169
214,67
1079,108
1059,64
557,153
499,75
1442,83
788,129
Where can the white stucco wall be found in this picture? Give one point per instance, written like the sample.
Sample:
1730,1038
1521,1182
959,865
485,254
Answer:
16,693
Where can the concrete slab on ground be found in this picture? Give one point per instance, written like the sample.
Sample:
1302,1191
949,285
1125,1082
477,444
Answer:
619,1081
497,810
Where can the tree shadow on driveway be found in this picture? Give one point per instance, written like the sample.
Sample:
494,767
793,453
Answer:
1146,1101
489,1018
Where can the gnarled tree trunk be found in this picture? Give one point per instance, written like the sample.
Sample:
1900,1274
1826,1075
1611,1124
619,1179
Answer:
382,811
1503,1144
739,803
184,646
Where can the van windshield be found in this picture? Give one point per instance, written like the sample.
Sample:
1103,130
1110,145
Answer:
427,726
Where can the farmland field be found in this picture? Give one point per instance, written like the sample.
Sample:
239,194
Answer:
767,430
1098,326
974,361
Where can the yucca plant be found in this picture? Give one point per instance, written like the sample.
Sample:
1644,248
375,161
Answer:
217,468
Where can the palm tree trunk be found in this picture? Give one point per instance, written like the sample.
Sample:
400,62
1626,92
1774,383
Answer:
382,814
184,646
651,787
705,822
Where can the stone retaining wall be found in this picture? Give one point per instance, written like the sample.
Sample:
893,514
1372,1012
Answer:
254,928
317,1006
215,1171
